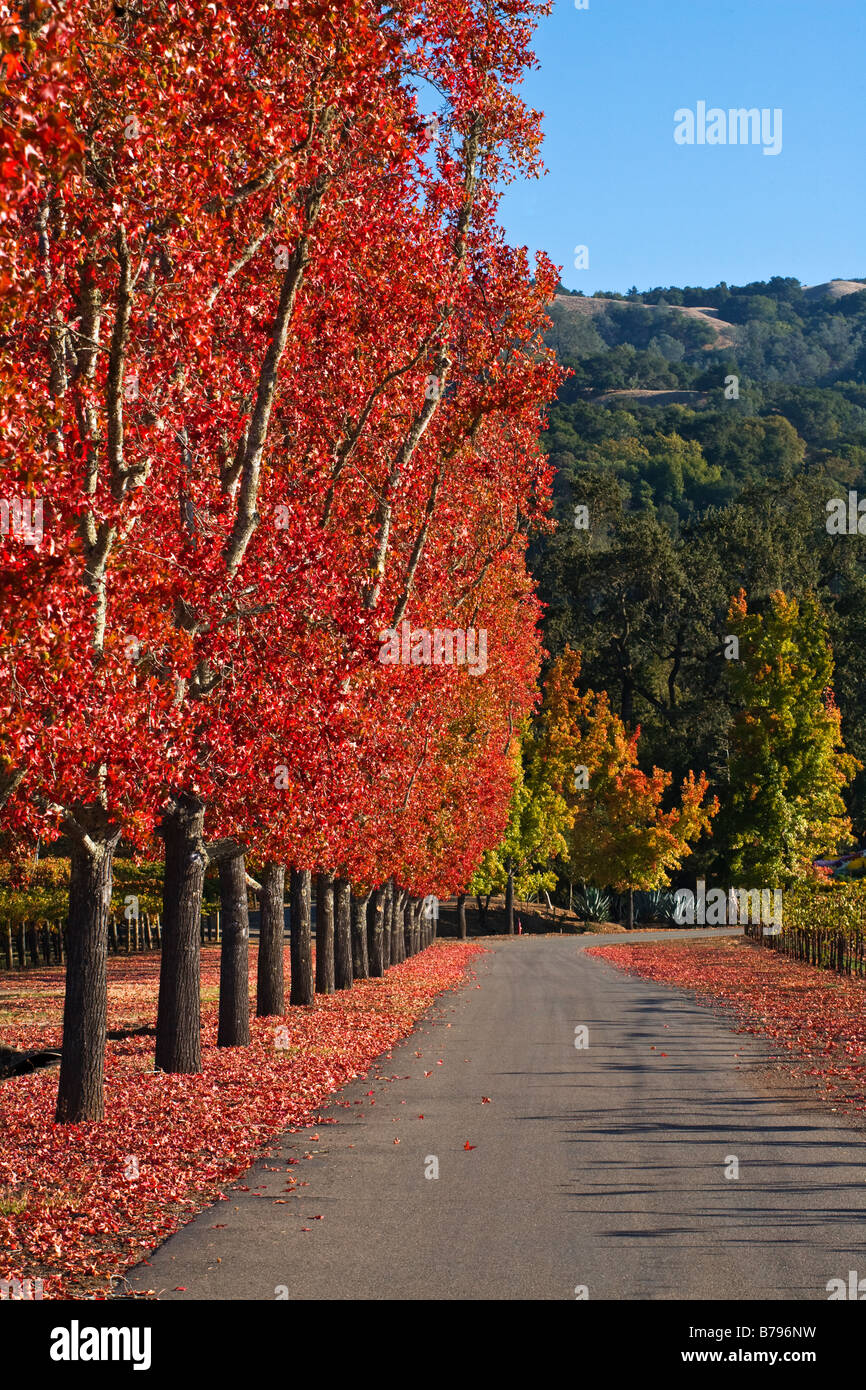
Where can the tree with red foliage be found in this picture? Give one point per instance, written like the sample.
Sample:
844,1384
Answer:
220,362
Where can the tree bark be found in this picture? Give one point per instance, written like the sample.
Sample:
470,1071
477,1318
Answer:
397,926
360,963
178,1018
233,1028
270,978
302,991
627,702
386,925
342,933
376,931
404,898
408,927
406,924
80,1092
509,900
403,941
419,926
324,933
461,917
406,917
391,910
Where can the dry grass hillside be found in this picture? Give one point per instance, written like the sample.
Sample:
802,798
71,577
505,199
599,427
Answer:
724,331
833,289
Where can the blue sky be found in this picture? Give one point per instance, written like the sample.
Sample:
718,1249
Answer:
652,212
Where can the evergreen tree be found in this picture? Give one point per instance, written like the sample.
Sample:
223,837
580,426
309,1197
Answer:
788,765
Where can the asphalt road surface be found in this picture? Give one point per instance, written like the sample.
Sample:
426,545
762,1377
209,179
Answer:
599,1168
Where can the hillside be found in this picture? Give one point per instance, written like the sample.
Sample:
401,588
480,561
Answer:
833,289
697,489
723,333
685,338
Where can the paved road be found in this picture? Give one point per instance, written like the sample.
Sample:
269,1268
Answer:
600,1167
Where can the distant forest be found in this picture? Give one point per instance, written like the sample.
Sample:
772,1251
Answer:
689,502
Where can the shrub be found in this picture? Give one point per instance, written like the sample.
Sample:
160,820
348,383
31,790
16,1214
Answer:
593,905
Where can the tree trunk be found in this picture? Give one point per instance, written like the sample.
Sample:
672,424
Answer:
360,962
270,982
419,926
631,909
397,926
482,915
392,936
376,931
627,702
461,917
408,927
509,900
386,925
178,1018
405,922
405,944
233,1029
342,933
85,1006
302,991
324,933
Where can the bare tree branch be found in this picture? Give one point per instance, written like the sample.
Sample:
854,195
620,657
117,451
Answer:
247,518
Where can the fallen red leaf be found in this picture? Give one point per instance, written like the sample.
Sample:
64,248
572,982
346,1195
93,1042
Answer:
194,1135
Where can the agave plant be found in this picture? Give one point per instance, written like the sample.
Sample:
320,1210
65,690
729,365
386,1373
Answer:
659,905
592,905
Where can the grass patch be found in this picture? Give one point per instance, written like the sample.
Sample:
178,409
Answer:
12,1203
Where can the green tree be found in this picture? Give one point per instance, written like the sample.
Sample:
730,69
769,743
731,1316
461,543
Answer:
544,799
788,765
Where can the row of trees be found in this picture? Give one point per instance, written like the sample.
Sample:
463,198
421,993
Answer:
583,810
359,935
272,381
